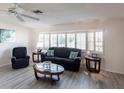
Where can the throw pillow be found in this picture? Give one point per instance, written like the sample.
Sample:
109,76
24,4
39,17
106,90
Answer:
50,52
73,55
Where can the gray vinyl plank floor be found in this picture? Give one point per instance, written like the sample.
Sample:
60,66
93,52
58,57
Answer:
24,79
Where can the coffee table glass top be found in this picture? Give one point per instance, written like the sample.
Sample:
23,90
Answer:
49,67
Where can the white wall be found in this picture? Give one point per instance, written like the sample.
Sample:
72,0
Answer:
114,45
113,36
22,39
35,35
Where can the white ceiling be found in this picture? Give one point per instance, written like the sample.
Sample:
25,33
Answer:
59,13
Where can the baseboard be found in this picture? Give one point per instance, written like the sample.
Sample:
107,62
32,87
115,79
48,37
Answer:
118,72
5,65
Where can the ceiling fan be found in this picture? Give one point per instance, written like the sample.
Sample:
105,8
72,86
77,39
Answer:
16,10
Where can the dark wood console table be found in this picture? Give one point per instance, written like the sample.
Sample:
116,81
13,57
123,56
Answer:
97,62
38,54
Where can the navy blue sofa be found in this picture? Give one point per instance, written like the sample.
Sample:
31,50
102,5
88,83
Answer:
61,57
19,58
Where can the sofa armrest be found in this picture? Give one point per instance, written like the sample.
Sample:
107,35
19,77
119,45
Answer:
77,62
43,54
77,59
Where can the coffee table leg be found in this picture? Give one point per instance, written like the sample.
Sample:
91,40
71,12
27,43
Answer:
44,75
36,75
52,80
58,77
51,76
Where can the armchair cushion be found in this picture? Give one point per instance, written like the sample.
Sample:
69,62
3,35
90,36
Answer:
20,52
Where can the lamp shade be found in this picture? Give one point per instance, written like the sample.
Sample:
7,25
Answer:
39,45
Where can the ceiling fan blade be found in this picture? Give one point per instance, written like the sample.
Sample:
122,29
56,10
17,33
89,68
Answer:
14,5
19,18
30,17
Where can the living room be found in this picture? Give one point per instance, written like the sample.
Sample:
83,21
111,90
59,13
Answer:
64,29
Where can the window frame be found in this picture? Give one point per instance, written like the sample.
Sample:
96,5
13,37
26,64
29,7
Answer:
74,39
92,42
74,32
85,40
56,39
103,42
99,41
64,40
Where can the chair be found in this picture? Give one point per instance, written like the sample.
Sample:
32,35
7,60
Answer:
19,58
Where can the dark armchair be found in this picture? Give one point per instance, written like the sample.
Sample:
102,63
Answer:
19,58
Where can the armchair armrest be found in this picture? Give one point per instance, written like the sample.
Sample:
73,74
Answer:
13,58
28,57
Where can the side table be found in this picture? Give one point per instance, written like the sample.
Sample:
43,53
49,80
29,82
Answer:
38,54
97,62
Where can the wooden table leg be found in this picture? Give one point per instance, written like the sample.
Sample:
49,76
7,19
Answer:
99,66
51,76
37,58
58,77
86,64
95,65
36,76
33,57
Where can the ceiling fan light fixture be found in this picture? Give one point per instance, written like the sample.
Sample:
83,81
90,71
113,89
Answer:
37,11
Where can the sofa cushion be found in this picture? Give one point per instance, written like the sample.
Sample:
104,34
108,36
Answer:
73,55
64,52
50,53
59,52
49,58
62,59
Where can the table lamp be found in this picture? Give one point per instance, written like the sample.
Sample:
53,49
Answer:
38,47
88,53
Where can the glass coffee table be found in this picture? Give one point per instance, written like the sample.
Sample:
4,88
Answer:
47,70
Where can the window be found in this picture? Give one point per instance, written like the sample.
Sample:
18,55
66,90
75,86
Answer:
53,40
81,40
99,41
61,40
71,40
43,41
46,40
40,41
91,41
